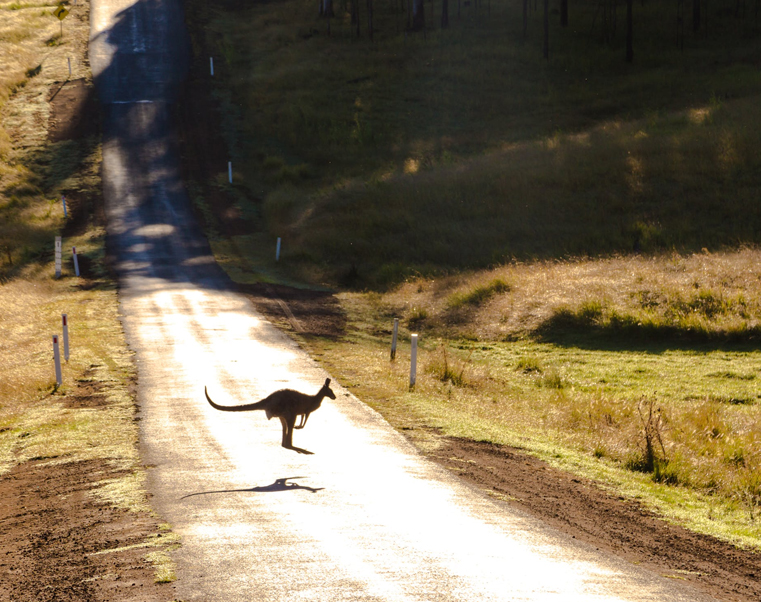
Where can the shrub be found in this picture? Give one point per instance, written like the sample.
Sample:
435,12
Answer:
649,440
449,370
529,364
417,317
665,472
551,380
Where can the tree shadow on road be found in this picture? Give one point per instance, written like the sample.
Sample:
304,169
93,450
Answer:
278,485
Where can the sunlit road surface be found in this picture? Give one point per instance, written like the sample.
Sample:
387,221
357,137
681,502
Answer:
365,517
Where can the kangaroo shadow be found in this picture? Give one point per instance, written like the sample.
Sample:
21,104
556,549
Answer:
278,485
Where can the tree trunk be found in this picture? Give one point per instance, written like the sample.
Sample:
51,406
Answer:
418,15
525,18
370,18
444,14
564,13
355,14
695,15
326,8
629,32
546,52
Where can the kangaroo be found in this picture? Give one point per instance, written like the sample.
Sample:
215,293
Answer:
287,405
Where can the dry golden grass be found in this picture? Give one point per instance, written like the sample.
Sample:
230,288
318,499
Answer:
26,322
33,55
707,292
32,408
23,32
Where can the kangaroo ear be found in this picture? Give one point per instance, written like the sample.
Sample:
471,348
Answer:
327,382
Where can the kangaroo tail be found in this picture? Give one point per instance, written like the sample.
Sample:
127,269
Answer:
259,405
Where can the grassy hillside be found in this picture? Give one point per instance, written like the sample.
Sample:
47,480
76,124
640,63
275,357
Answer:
465,148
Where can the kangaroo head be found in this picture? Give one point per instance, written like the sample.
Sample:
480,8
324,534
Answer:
326,390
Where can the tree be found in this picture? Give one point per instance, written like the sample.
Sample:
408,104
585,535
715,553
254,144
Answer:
546,52
695,15
418,15
629,32
326,8
355,14
370,18
564,13
444,14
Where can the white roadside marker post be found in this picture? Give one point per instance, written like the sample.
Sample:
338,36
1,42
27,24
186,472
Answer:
211,65
68,58
277,250
413,361
76,261
65,324
57,256
230,171
57,360
394,337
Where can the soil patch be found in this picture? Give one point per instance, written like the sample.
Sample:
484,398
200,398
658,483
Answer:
59,544
623,527
75,112
306,312
88,394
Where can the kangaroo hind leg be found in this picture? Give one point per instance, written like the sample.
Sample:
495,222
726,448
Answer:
288,426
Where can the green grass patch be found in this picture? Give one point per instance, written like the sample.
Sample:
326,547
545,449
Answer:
651,423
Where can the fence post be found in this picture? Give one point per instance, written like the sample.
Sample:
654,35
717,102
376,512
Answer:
394,337
65,324
413,361
57,360
76,261
57,256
